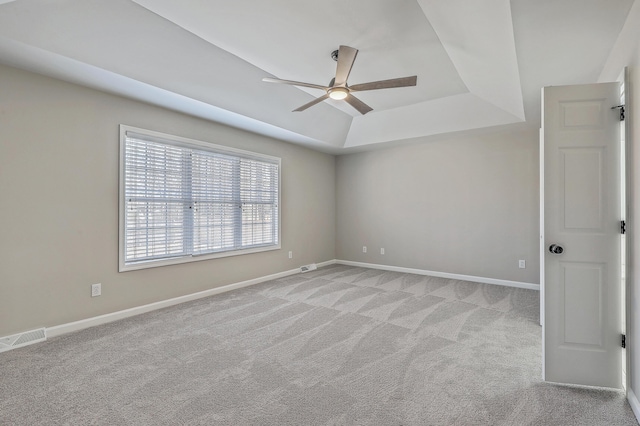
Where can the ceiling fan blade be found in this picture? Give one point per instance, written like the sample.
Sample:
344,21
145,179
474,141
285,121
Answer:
294,83
346,57
312,103
385,84
358,104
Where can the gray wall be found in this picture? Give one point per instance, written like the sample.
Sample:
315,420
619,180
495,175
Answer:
466,205
59,204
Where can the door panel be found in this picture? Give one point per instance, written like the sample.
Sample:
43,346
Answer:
581,175
581,331
581,115
582,291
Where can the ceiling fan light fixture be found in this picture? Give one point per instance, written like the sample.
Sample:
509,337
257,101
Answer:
338,93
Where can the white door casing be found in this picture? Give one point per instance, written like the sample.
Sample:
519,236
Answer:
581,326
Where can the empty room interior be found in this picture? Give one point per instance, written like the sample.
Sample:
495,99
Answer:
371,212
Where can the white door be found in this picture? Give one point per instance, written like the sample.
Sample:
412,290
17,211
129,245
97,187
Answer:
582,326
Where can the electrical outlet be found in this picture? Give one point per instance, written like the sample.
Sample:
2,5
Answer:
96,290
290,255
364,249
522,264
381,251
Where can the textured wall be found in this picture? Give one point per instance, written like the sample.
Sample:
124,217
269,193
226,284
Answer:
465,205
59,154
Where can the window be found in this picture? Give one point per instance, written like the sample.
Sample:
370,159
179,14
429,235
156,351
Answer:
183,200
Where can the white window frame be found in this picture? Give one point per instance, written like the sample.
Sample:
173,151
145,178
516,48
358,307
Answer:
199,145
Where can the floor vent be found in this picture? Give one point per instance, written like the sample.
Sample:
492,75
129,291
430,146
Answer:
22,339
307,268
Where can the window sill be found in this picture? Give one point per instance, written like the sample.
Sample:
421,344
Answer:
135,266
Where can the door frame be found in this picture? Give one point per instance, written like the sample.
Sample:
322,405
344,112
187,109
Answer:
624,78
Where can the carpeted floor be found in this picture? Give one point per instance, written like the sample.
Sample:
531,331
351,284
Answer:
337,346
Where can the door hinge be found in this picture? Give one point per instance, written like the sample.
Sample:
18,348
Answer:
623,227
624,341
621,111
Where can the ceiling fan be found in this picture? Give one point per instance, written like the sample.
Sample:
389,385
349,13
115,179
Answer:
338,88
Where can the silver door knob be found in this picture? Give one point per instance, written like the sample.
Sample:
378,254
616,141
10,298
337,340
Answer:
555,249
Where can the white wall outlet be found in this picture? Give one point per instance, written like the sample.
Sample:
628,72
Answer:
290,255
364,249
522,264
96,290
382,251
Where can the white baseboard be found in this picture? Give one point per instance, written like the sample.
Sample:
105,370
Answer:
126,313
327,263
442,274
635,404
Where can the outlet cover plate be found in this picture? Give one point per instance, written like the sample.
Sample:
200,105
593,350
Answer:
96,290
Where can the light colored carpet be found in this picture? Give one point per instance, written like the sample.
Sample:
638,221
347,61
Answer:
337,346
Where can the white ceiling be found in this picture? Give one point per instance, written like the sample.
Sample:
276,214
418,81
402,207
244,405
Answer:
480,63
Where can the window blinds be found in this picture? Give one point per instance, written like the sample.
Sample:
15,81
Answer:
182,200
